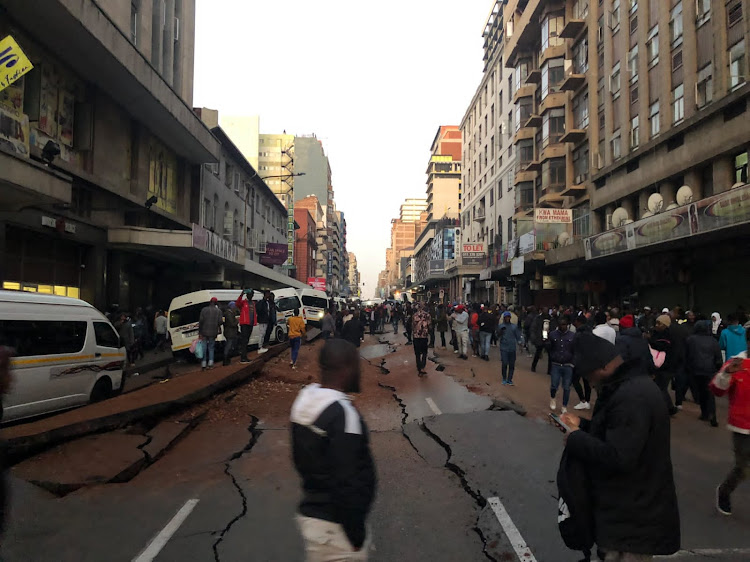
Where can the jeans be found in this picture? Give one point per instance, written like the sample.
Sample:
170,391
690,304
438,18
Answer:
537,356
261,332
484,343
210,350
420,352
706,398
269,330
230,344
245,331
432,336
508,359
584,394
395,326
296,343
564,373
442,338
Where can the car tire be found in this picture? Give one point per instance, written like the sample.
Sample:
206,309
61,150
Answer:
101,391
280,334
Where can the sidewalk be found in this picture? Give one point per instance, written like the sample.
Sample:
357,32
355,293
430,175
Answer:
155,400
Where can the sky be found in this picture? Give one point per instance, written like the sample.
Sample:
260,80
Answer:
372,80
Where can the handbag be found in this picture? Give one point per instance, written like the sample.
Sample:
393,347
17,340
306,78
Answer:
658,356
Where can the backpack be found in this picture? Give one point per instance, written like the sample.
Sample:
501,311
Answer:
575,519
658,356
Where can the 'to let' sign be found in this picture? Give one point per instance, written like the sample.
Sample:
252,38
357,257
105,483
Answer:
13,62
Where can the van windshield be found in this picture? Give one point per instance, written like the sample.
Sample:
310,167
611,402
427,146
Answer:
189,314
317,302
287,303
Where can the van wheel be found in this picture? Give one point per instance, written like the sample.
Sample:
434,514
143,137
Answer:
102,390
280,334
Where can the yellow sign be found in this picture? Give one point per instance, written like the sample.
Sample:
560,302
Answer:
13,62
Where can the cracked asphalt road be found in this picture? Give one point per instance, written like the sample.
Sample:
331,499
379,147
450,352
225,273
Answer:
441,448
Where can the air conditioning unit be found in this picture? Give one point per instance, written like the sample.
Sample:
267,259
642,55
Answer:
579,180
176,29
633,139
597,161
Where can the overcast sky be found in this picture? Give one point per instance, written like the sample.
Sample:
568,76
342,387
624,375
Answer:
373,81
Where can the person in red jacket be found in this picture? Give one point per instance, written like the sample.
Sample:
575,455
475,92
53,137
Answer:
734,379
248,319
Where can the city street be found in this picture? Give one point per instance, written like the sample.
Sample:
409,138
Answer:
459,478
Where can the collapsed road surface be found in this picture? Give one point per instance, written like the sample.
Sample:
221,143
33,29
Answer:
460,476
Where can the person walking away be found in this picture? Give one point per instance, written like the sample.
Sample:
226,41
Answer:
433,321
230,329
327,325
248,320
270,303
626,448
679,334
421,331
540,331
717,325
331,452
527,323
734,380
580,322
474,329
408,312
209,325
703,360
394,317
127,337
263,313
691,320
353,330
632,346
509,336
296,329
661,341
603,329
732,340
461,325
160,329
561,354
487,327
442,323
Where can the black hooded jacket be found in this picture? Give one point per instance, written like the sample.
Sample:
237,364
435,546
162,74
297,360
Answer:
626,447
703,354
631,346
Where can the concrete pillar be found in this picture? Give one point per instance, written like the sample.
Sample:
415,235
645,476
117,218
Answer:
723,174
627,204
694,180
643,196
168,43
93,277
667,190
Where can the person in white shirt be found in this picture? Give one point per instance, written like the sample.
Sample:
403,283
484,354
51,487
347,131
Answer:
602,329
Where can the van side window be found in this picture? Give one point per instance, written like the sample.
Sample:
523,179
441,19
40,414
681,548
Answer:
287,303
105,335
40,337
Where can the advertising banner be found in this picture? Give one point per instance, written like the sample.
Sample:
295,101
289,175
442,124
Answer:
14,130
318,283
553,216
437,267
517,266
550,282
276,254
13,62
712,213
473,254
214,244
527,243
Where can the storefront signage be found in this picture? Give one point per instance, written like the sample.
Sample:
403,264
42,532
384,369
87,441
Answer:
527,243
550,282
276,254
473,254
60,224
13,62
214,244
517,266
317,283
553,216
437,267
726,209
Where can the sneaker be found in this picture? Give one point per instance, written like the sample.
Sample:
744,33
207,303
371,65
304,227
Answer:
505,382
714,423
510,383
552,404
582,406
455,351
679,406
294,367
291,363
723,502
564,410
244,360
262,350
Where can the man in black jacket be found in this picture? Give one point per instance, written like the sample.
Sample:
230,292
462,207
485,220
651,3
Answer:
331,452
703,360
270,306
626,447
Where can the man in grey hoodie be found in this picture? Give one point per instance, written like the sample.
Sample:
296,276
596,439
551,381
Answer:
209,324
461,326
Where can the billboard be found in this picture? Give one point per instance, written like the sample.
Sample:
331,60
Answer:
318,283
437,267
276,254
553,216
472,254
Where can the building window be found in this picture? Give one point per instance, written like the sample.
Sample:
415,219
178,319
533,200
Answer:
614,17
740,168
734,12
615,145
525,152
675,25
614,81
207,213
633,64
652,46
510,228
521,72
552,25
553,73
581,111
134,9
581,56
737,65
633,23
702,11
634,131
678,104
704,88
214,224
581,164
600,94
553,175
582,221
653,119
553,126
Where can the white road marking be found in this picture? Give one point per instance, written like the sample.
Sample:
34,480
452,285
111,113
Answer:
705,552
159,541
516,540
433,406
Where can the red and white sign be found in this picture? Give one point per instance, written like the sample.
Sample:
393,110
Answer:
318,283
553,216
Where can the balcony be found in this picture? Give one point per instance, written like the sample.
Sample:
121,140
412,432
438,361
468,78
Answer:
575,190
525,91
532,166
573,28
552,195
534,76
553,99
534,121
574,79
574,135
480,216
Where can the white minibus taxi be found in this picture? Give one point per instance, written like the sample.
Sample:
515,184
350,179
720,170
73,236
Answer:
185,311
66,353
314,305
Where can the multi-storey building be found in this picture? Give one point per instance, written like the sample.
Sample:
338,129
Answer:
354,276
667,82
322,237
444,174
488,188
306,245
411,210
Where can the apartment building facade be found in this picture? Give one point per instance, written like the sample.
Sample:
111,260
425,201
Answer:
411,210
306,245
354,276
444,174
667,82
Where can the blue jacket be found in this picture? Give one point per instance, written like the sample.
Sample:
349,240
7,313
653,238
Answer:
509,336
561,347
733,340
